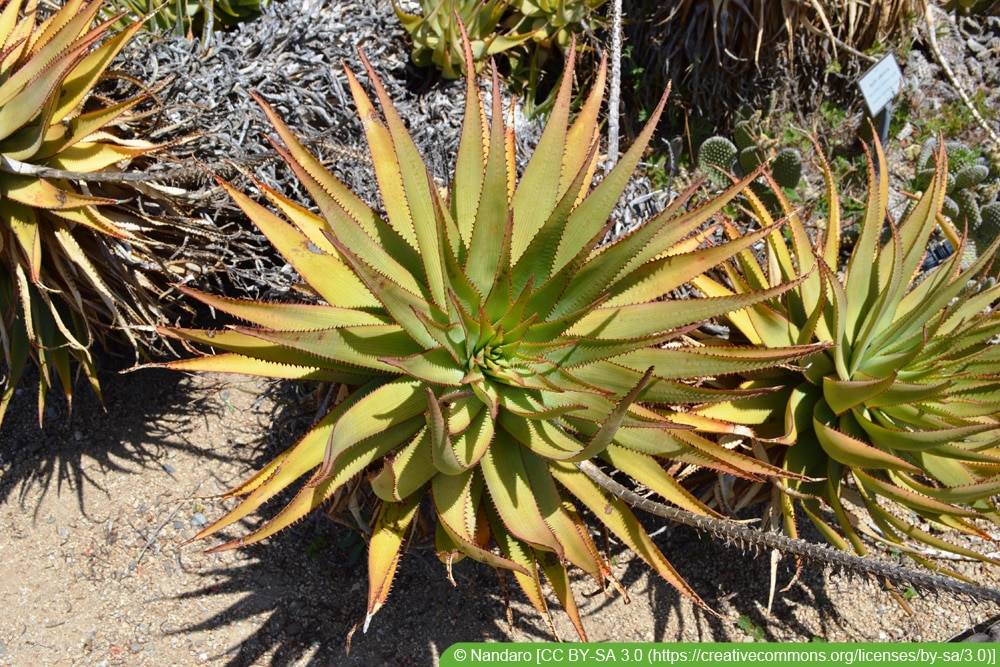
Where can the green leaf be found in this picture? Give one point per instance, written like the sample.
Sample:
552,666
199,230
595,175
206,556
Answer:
512,494
436,366
493,215
645,318
332,279
607,430
415,183
842,395
390,528
851,451
364,346
408,471
471,163
401,304
859,284
456,498
701,362
590,216
229,362
919,503
648,472
287,316
613,513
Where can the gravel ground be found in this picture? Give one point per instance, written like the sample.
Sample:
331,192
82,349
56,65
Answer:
95,506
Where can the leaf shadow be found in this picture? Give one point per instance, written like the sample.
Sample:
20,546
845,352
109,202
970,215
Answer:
143,417
306,589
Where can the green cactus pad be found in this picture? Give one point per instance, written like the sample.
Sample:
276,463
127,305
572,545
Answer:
926,159
989,226
787,168
716,157
923,178
751,157
968,207
744,134
971,176
950,208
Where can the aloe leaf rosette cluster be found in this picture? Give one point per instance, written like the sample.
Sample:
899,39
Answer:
898,416
487,345
60,287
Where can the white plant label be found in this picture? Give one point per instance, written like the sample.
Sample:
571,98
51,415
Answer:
881,83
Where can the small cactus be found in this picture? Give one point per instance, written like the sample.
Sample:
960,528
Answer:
746,152
970,176
989,230
989,227
787,168
744,134
716,158
968,207
751,157
971,191
950,208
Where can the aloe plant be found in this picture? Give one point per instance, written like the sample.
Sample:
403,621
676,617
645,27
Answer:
64,283
902,407
486,345
437,32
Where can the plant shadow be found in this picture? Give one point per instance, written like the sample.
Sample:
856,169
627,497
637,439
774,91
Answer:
305,594
142,420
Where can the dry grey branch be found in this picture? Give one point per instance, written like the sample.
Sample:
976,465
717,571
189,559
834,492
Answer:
730,531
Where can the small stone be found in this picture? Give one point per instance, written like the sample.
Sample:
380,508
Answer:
169,469
63,532
178,524
135,647
198,519
78,436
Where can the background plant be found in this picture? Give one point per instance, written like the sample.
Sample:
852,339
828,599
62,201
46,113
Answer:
724,54
721,159
901,410
970,200
77,263
530,36
187,17
484,345
437,36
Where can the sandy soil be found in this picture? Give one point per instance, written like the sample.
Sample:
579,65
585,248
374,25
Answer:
94,510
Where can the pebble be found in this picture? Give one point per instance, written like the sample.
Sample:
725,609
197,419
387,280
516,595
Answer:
178,524
63,532
198,519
